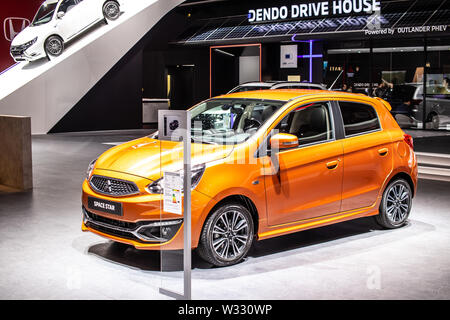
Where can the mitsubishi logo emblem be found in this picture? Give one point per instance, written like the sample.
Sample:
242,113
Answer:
108,182
13,26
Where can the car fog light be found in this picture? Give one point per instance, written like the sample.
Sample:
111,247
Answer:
165,231
161,231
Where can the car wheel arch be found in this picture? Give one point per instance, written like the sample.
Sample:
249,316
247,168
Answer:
400,175
54,35
240,199
104,2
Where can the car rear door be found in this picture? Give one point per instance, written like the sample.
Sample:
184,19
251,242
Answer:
305,182
367,155
77,17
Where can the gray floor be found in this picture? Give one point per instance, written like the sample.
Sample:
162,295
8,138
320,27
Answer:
44,254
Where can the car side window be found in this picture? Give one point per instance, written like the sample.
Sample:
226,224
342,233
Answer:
311,123
67,5
358,118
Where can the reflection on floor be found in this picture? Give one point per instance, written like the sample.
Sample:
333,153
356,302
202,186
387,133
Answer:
45,255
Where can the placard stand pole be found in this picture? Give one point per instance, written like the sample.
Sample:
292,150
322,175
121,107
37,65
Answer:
187,229
187,254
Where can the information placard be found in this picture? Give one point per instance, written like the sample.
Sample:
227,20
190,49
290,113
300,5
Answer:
288,56
173,183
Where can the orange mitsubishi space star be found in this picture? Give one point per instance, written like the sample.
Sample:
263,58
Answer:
264,164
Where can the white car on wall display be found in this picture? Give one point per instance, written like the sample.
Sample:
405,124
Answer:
59,21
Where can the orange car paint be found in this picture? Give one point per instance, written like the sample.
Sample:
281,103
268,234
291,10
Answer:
336,181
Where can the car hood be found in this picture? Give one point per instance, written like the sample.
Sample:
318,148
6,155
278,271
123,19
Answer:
29,33
148,157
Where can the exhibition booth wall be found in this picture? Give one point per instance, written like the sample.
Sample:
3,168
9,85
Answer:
187,52
398,51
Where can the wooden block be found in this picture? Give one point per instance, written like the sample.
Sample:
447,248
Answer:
16,170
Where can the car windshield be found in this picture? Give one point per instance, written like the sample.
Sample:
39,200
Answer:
44,14
230,121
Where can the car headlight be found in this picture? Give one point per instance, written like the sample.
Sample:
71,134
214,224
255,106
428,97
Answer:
25,46
90,168
156,187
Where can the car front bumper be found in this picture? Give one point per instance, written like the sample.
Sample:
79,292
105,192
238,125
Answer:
139,213
35,52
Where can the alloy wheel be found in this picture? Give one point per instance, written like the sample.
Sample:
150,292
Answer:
54,46
230,235
111,10
398,202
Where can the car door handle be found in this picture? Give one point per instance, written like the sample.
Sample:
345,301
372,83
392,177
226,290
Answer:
383,152
332,164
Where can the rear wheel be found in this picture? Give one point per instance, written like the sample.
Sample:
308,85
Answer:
227,235
54,46
111,10
395,205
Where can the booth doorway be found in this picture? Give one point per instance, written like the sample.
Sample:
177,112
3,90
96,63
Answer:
180,86
233,65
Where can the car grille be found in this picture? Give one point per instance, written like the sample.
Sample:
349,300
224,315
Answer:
17,50
113,187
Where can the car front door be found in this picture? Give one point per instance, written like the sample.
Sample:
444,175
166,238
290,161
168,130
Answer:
75,18
367,155
305,182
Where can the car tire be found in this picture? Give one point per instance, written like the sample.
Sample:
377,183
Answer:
227,235
54,46
111,10
395,205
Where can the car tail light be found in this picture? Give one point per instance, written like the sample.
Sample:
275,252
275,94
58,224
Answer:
409,140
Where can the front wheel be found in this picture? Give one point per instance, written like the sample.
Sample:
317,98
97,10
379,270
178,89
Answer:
111,10
227,235
395,205
54,46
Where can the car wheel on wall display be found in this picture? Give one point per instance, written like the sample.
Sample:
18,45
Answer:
395,205
111,10
227,235
54,46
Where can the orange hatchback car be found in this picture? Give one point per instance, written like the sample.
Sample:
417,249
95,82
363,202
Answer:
264,164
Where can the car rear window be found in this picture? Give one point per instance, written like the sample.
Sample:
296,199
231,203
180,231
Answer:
358,118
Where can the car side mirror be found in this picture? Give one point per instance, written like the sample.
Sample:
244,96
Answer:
282,141
60,15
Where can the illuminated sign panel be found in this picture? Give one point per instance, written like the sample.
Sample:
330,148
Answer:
304,20
314,9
